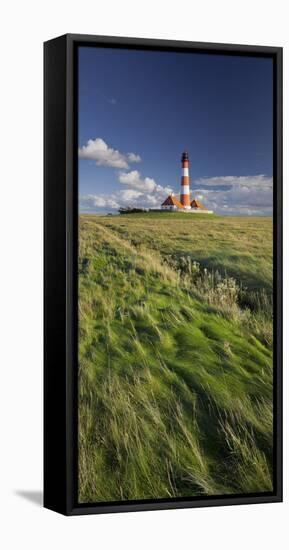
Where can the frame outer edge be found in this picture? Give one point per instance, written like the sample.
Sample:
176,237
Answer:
54,275
70,507
71,306
279,272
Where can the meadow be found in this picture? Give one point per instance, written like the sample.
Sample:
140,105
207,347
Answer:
175,356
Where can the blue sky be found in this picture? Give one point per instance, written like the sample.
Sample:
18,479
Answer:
138,110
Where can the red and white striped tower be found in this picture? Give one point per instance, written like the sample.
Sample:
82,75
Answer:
185,183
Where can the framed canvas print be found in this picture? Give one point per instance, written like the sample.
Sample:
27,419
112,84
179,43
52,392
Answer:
163,274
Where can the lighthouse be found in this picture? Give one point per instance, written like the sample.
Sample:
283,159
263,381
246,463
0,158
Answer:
185,182
185,204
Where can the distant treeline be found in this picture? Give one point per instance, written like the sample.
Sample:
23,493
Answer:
131,210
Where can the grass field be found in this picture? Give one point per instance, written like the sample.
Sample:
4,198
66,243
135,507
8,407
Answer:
175,356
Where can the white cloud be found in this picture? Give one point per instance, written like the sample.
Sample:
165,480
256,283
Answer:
134,180
237,195
132,157
144,193
124,197
128,195
98,150
259,180
97,203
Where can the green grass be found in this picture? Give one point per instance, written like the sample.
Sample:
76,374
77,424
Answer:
175,356
239,246
157,214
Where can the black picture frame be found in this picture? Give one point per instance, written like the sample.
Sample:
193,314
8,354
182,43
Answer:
60,273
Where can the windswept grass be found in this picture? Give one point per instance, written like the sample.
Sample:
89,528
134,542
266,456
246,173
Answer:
175,361
240,247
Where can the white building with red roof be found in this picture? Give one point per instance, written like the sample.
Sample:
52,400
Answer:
172,203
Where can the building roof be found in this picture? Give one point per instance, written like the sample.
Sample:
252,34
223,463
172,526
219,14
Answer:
197,204
171,200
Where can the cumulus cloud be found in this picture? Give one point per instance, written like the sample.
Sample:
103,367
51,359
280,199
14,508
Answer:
133,179
236,195
144,193
132,157
95,203
98,151
259,180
